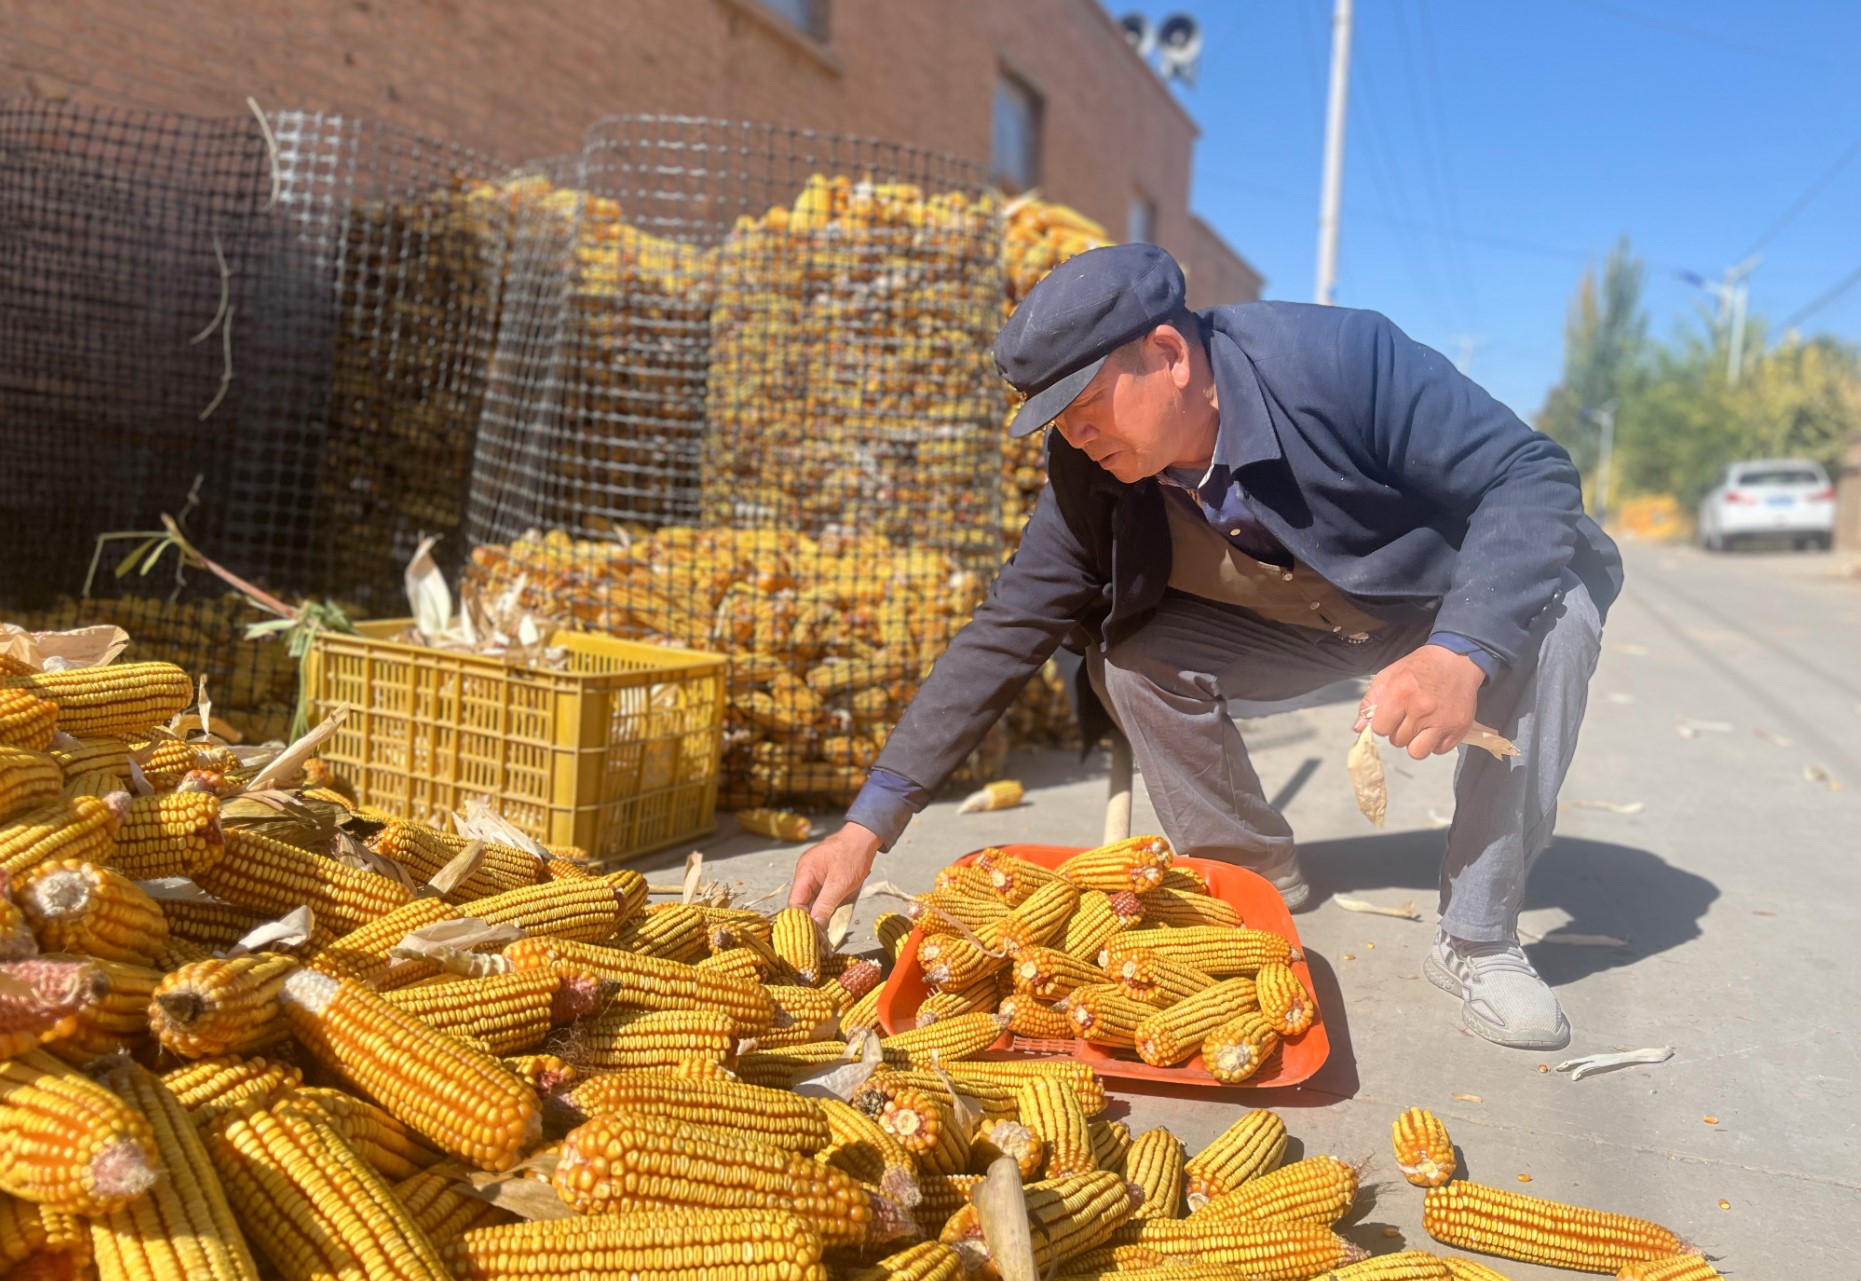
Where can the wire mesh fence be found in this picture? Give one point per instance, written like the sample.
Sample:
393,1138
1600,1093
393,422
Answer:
748,406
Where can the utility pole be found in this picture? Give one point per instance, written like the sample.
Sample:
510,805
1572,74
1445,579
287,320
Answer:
1335,111
1604,418
1467,343
1732,294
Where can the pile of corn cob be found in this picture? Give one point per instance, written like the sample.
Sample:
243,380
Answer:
828,637
473,1060
1116,947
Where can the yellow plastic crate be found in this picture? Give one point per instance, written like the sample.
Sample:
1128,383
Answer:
617,754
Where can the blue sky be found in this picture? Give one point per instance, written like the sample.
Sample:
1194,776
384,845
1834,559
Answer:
1494,148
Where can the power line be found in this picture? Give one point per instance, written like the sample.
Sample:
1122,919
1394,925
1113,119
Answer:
1803,201
1433,164
1712,37
1435,81
1841,287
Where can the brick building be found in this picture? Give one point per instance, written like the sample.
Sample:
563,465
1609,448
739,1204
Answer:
1046,92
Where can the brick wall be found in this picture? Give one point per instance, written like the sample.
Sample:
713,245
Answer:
522,80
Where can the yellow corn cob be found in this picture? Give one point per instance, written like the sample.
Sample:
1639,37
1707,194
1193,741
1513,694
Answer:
1053,1113
83,827
1135,863
892,929
208,1088
1068,1216
42,998
724,938
926,1261
1184,880
1251,1147
116,1021
178,952
184,1228
1049,975
1003,794
861,1016
661,1244
423,852
1078,1077
95,783
544,1073
781,1069
123,699
80,907
942,1196
379,1139
577,911
641,982
999,1137
971,879
1404,1265
1177,909
1680,1267
27,721
950,960
627,1039
77,756
28,781
505,1013
798,940
631,1161
16,940
734,963
1239,1048
1155,1163
217,926
672,931
980,997
1156,980
342,1219
1213,949
1284,1002
362,953
1031,1019
802,1014
1174,1034
567,869
1319,1189
943,1042
1039,919
1254,1248
777,825
1469,1270
265,875
172,834
1530,1229
41,1244
457,1098
864,1149
775,1117
68,1143
1014,880
444,1209
164,761
953,911
1111,1144
1104,1015
1424,1152
739,922
990,1099
1100,916
928,1130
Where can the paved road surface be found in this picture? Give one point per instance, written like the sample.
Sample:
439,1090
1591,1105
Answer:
1726,715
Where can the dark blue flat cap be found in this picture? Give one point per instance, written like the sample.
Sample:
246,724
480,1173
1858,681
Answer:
1085,309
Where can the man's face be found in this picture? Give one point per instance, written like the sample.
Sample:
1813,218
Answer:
1130,418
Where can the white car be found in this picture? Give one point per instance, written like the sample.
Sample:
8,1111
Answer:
1769,498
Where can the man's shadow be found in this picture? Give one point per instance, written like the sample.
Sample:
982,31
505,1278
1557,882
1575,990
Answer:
1610,890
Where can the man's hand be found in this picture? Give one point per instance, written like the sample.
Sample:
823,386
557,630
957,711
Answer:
832,872
1425,702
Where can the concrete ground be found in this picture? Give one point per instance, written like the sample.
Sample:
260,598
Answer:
1725,730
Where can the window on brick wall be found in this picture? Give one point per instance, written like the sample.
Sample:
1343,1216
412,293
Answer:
1143,224
809,16
1016,148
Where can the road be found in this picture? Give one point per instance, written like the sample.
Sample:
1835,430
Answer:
1712,823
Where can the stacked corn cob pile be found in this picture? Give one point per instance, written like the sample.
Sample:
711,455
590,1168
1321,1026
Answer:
253,683
828,637
181,1095
1117,947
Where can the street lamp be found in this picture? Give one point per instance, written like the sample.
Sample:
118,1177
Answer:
1604,417
1732,294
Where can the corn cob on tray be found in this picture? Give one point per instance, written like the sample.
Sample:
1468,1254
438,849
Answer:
1251,900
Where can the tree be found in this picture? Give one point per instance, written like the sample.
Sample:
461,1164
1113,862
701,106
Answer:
1605,332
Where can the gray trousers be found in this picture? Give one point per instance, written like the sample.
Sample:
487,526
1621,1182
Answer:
1168,686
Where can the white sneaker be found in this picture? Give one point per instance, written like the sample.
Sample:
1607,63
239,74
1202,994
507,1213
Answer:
1502,997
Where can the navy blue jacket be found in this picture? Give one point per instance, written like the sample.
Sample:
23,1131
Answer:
1368,455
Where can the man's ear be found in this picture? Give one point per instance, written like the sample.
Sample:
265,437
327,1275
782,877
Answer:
1173,348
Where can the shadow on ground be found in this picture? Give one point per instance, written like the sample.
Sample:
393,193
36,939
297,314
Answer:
1607,889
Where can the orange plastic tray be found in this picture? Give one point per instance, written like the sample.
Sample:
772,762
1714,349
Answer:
1259,905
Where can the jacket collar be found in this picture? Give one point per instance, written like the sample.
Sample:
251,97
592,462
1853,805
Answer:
1246,435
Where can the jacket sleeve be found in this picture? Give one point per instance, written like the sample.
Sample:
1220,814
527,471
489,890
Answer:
1439,434
1037,599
